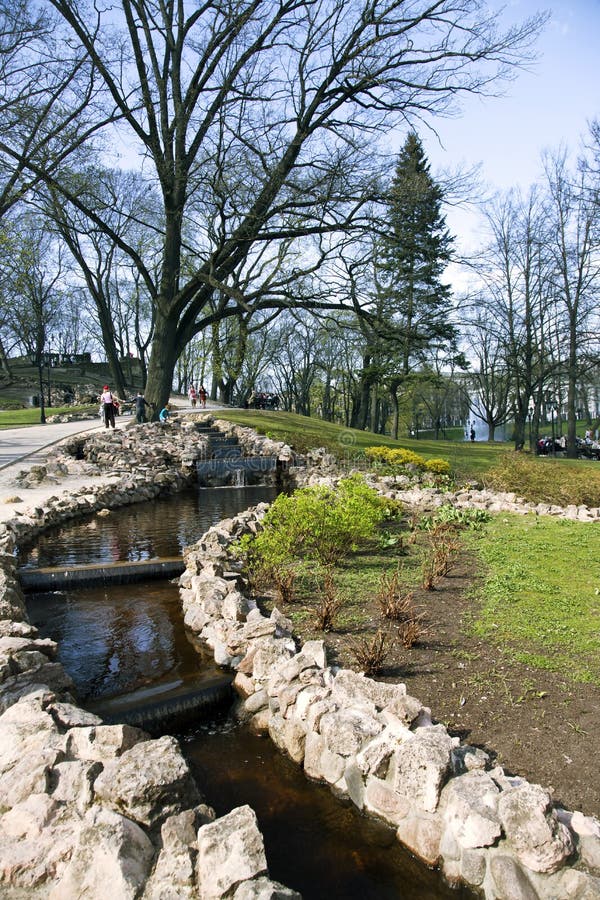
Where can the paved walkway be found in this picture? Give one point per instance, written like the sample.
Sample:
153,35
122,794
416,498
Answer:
22,448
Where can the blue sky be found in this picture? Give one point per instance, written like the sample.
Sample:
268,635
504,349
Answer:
545,106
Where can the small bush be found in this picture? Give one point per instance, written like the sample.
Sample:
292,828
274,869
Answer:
439,556
10,404
370,653
445,552
449,516
399,457
284,578
541,480
329,604
396,603
411,631
437,466
315,525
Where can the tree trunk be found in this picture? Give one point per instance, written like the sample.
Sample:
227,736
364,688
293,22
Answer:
4,364
395,410
163,357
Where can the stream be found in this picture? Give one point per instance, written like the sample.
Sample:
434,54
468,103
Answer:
122,644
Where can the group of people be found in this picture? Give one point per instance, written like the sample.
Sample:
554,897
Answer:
110,403
197,395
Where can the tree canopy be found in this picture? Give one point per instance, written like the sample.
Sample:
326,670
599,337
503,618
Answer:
258,123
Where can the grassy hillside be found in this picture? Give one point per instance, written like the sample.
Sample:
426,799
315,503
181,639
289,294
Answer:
543,479
303,433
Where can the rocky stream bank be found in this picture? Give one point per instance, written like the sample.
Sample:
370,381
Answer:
95,810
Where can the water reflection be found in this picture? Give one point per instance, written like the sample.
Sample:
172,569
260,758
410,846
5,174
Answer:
160,528
117,639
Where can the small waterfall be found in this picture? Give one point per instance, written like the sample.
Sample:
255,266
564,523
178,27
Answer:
239,478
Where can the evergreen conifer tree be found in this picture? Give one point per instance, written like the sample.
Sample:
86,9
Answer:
414,254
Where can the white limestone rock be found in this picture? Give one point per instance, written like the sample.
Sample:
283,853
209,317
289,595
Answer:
67,715
471,809
346,731
102,742
264,889
72,782
355,689
173,877
148,783
113,856
384,802
422,766
422,835
230,851
533,831
506,878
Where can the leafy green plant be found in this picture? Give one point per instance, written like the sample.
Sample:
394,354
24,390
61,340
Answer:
314,526
454,517
437,466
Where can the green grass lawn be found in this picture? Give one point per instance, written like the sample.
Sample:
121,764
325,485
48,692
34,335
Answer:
20,418
541,595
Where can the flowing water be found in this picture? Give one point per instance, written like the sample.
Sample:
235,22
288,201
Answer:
128,642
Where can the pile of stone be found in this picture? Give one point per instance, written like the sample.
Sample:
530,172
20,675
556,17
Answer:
411,491
95,810
252,443
148,448
377,746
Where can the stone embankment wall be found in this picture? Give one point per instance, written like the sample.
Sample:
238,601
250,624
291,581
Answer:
377,746
88,809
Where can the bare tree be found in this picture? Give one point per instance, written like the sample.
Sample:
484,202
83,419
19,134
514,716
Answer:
32,276
518,301
117,294
575,248
260,122
48,108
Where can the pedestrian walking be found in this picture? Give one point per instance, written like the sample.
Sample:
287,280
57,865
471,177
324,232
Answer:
107,401
141,405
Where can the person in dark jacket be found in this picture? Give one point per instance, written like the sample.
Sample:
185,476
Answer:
141,405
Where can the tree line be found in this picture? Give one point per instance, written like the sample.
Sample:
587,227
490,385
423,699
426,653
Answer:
209,189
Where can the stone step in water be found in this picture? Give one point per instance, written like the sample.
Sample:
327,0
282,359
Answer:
165,708
55,578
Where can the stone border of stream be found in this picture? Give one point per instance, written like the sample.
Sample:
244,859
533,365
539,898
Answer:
102,810
89,809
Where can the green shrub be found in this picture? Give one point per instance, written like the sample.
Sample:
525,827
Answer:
399,457
10,404
318,525
437,466
448,516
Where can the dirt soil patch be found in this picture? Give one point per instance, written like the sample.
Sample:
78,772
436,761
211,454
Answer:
534,723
